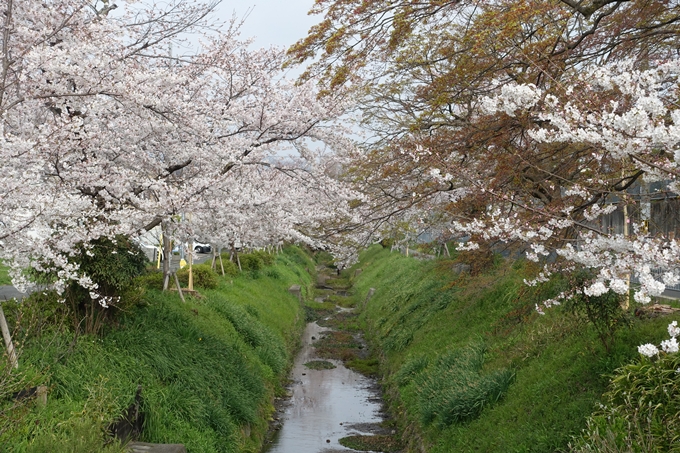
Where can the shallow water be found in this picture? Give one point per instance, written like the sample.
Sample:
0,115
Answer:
325,405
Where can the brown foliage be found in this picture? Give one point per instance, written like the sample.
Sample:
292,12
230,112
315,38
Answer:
422,68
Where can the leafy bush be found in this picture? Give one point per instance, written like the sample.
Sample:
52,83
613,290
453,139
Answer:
203,276
267,258
640,412
152,279
251,262
387,243
113,265
230,268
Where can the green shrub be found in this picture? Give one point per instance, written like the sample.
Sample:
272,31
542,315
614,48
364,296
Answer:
230,268
113,264
387,243
267,258
251,262
203,276
152,280
640,411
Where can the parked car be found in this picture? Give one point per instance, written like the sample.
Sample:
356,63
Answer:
202,248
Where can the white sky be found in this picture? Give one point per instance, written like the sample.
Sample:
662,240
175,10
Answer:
271,22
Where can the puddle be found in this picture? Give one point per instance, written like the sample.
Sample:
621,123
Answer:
325,405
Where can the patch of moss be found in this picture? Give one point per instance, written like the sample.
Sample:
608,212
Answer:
320,365
378,443
347,321
318,311
367,367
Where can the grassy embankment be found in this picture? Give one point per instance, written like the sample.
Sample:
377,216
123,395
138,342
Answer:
209,369
468,363
4,275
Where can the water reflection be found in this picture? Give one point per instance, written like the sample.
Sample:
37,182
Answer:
325,406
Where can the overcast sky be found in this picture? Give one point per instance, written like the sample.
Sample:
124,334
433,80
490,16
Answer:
271,22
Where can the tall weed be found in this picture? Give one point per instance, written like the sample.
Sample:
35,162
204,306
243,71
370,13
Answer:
453,389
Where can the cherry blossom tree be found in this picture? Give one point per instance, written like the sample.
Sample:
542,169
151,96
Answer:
106,133
628,119
522,122
291,200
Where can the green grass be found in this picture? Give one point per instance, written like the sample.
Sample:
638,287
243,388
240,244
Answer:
548,371
5,279
209,368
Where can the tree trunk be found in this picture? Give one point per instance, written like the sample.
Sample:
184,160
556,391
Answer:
238,261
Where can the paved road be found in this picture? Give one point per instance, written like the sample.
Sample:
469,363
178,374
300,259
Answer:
10,292
671,294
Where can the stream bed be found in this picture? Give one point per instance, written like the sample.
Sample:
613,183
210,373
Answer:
325,405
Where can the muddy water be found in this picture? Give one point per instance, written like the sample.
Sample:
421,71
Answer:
325,405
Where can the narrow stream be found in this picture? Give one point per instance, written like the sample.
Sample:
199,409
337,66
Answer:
325,405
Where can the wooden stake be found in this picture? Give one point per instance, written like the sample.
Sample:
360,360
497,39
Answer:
238,261
221,264
8,339
179,288
190,287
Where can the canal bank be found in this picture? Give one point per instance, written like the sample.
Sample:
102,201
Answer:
206,370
